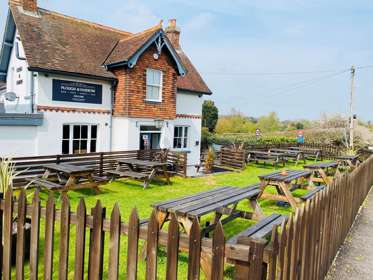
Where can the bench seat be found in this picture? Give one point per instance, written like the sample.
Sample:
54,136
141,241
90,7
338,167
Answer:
128,174
312,193
262,229
52,186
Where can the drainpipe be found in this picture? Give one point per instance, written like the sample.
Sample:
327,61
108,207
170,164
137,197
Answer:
32,91
112,89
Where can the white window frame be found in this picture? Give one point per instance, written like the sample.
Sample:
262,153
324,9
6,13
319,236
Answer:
182,137
160,86
89,136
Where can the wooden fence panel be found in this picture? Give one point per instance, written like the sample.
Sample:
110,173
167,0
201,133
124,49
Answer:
8,224
34,244
133,244
20,251
49,237
80,241
115,222
64,238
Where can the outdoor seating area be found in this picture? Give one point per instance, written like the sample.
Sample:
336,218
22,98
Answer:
248,205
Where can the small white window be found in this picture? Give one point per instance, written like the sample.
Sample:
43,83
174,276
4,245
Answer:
153,85
79,138
181,137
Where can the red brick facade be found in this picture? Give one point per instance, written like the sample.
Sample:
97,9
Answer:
130,92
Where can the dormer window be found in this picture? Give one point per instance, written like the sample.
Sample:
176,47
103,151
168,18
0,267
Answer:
153,85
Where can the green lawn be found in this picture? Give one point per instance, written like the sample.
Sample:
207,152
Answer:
129,194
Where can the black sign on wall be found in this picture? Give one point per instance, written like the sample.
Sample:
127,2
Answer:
76,92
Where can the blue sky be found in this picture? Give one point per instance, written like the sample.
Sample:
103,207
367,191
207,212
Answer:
239,46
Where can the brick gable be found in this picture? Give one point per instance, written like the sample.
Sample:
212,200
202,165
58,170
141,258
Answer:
130,91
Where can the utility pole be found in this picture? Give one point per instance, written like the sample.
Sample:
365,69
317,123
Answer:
352,94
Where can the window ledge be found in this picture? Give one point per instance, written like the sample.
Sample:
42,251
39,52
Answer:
153,101
13,119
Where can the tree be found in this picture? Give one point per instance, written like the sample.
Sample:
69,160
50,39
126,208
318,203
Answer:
210,115
269,123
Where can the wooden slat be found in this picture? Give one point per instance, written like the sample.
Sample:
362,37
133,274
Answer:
21,219
8,224
152,247
34,244
115,221
64,238
218,242
80,241
49,240
133,243
96,243
194,251
172,249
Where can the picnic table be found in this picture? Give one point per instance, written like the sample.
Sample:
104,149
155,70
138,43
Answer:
321,171
139,169
348,161
262,156
309,153
219,201
64,177
285,182
296,155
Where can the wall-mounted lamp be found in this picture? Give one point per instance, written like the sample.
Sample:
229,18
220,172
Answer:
158,123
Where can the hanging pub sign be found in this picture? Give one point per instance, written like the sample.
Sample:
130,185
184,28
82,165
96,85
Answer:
76,92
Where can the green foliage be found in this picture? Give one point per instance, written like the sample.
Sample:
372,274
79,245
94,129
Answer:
209,160
269,123
210,115
236,122
7,174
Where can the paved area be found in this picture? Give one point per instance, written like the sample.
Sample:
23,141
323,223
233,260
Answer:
355,259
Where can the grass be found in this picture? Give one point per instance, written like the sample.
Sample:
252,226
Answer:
129,194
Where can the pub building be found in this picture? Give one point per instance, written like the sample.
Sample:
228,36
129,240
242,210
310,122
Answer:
74,86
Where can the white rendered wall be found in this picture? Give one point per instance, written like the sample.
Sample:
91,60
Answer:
44,88
17,71
189,103
17,141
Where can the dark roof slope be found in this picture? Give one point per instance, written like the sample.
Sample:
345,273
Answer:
56,42
128,46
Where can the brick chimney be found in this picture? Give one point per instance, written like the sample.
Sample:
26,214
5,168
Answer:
27,5
173,33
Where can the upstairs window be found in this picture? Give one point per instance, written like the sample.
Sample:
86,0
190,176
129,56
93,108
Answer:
153,85
181,137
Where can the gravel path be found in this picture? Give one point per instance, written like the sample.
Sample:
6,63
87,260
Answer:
355,259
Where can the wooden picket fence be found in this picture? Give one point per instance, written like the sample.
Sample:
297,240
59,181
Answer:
303,247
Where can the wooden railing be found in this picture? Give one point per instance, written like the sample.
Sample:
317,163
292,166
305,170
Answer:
303,247
101,162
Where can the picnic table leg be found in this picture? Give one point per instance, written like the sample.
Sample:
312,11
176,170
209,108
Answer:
166,175
325,177
258,213
149,178
70,182
285,188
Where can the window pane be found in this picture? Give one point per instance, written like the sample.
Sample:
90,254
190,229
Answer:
176,132
185,131
175,142
149,77
93,146
66,132
94,131
148,92
83,146
76,132
157,78
65,146
185,142
84,131
76,148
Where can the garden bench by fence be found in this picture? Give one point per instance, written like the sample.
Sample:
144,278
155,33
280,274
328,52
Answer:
264,157
64,177
323,172
295,155
144,170
303,247
284,183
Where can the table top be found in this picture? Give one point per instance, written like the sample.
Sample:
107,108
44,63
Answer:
264,153
206,202
346,157
146,163
291,175
69,168
321,165
304,149
285,151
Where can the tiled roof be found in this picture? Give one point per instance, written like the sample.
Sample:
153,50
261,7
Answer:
56,42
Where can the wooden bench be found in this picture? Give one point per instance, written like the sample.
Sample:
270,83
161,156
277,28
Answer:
312,193
128,174
260,230
52,186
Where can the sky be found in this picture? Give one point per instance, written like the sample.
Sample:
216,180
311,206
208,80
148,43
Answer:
291,57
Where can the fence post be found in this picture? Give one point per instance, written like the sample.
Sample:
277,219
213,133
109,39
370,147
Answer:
58,159
101,167
255,269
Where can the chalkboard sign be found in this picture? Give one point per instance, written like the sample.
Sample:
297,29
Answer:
76,92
